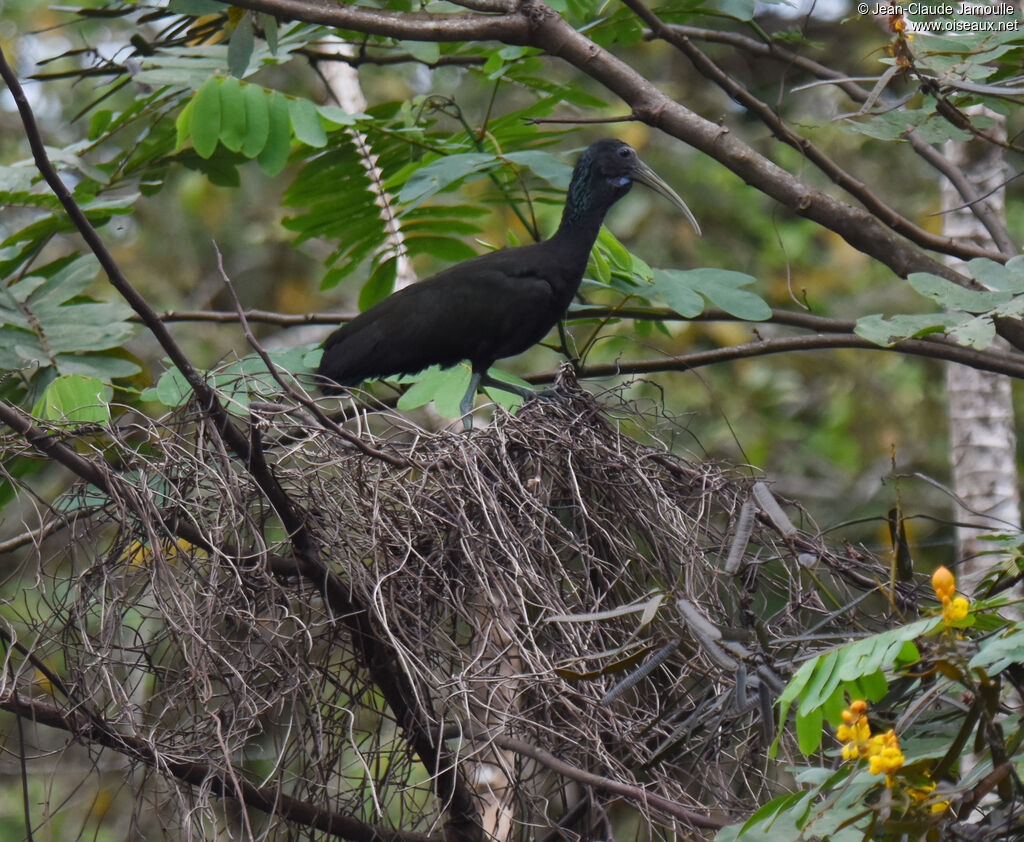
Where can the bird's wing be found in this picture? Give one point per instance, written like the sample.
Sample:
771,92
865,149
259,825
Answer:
481,310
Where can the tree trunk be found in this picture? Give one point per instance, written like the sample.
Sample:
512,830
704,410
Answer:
983,443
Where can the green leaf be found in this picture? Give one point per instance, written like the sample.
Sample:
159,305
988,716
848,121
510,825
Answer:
426,51
75,398
274,155
738,9
823,682
437,175
205,125
336,115
306,122
195,7
172,389
1000,651
445,387
1008,278
874,686
47,321
379,285
240,46
767,814
101,366
445,248
183,124
682,290
952,296
543,164
509,400
269,24
232,114
888,331
977,332
257,120
809,730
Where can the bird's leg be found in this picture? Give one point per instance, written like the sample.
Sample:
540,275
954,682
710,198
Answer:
466,405
514,388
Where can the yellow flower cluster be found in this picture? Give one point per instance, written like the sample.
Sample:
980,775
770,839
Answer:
881,750
953,607
884,753
923,793
854,733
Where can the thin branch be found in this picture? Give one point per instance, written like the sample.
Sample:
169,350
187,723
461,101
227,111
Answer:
412,26
265,799
379,656
581,121
603,784
993,224
930,346
711,314
361,58
1007,364
854,186
34,536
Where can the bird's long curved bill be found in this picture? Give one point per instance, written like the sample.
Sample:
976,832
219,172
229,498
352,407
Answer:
649,178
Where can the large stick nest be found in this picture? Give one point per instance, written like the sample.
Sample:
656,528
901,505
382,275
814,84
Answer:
548,579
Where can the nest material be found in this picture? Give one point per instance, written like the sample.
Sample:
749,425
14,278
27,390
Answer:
547,578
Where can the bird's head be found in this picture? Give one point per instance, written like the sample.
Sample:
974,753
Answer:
609,167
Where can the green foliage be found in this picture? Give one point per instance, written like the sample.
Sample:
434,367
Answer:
685,291
47,321
969,313
240,382
446,387
856,670
857,802
254,121
75,398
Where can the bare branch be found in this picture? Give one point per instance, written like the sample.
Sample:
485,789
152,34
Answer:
604,785
856,188
1007,364
933,156
265,799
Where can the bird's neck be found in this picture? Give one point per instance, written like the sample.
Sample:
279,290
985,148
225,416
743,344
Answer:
577,234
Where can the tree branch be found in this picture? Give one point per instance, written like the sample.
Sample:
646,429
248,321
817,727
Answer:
265,799
380,658
933,156
1007,364
536,24
931,346
856,188
412,26
602,784
791,318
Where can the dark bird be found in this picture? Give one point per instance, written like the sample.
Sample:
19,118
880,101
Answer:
496,305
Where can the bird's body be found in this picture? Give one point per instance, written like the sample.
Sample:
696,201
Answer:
398,335
493,306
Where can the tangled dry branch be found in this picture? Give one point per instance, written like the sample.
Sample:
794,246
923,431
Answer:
547,594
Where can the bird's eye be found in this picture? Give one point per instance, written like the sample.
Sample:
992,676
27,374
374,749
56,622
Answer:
625,152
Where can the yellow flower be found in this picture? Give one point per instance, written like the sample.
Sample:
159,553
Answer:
954,609
943,583
884,753
855,732
922,793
